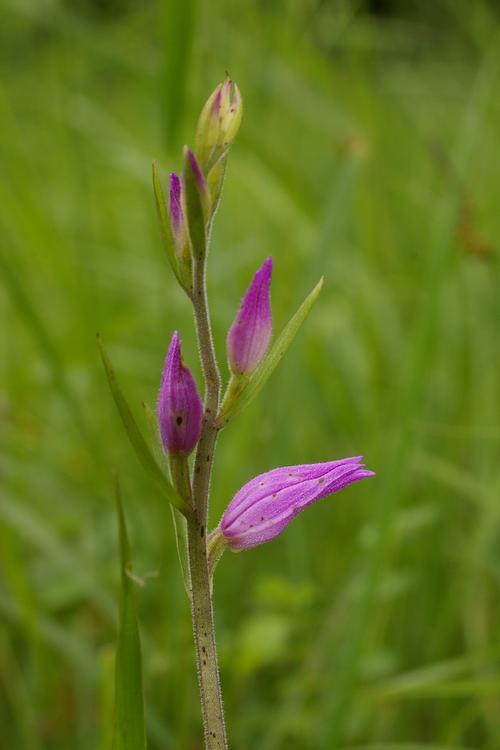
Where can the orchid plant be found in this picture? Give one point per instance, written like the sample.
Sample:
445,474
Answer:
184,425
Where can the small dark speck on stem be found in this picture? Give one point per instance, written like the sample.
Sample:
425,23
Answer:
202,531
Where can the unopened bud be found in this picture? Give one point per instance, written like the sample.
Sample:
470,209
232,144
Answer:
179,233
249,336
218,124
180,411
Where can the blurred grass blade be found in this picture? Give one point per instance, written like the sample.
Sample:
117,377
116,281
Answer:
242,391
179,521
166,234
129,730
179,22
135,436
23,304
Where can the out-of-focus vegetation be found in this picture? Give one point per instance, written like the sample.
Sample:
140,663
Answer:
369,152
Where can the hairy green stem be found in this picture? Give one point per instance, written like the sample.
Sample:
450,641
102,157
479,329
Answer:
204,638
201,596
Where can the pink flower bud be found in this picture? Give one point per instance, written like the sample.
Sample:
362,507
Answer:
180,410
175,209
179,232
201,183
261,509
249,336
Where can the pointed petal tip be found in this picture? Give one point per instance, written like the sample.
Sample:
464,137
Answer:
175,344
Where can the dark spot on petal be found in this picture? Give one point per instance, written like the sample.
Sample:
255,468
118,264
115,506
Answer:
321,481
274,495
178,420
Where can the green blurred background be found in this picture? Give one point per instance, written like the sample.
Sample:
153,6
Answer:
369,152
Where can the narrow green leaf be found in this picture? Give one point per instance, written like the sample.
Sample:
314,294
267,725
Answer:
241,391
22,301
178,20
129,729
135,436
166,233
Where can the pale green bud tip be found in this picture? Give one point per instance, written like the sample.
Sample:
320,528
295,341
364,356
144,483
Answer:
231,111
218,123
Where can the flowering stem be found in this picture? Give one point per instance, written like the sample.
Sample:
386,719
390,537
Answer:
204,638
201,596
208,439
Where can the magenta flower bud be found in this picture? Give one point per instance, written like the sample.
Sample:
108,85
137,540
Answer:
261,509
175,209
249,336
179,232
201,183
180,410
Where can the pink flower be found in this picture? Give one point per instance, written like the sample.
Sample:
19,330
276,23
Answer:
261,509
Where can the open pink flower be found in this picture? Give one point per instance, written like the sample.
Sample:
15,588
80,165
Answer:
261,509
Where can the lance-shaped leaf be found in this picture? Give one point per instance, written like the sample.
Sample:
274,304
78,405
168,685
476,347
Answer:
166,232
135,435
129,728
242,390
